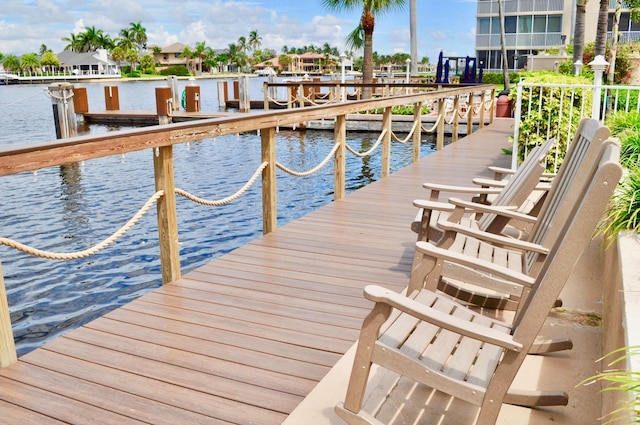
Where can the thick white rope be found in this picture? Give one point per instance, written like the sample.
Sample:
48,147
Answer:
315,169
405,140
90,251
367,153
228,199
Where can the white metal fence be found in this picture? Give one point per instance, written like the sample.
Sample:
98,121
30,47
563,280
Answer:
557,108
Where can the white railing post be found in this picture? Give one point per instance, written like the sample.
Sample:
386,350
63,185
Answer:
599,65
516,125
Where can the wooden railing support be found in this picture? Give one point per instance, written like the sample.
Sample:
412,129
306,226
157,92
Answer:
417,134
469,114
167,217
483,98
440,127
265,90
339,167
269,200
8,355
387,121
455,125
492,110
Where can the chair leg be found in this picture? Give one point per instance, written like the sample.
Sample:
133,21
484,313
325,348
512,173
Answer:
362,361
551,346
536,398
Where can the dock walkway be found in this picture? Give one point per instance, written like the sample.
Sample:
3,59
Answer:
245,338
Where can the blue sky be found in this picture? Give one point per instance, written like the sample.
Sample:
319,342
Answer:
442,25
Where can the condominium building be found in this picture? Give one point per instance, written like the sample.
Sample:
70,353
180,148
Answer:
533,26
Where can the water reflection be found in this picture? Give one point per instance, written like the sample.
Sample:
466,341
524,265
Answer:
74,207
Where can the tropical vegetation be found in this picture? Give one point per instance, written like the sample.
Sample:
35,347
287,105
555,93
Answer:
363,34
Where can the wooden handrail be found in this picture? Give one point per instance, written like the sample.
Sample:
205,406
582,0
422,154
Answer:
34,156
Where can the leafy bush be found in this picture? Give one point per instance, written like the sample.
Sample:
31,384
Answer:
621,380
498,77
179,70
555,112
623,212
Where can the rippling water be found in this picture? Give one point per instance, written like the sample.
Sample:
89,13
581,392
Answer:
73,207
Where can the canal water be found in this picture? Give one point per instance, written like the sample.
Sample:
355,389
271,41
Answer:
73,207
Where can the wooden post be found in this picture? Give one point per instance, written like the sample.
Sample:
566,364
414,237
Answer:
269,200
163,101
80,100
481,114
417,134
440,127
8,355
111,98
302,94
167,217
63,112
172,81
236,90
456,119
265,90
192,101
469,114
492,111
244,100
339,161
223,94
386,142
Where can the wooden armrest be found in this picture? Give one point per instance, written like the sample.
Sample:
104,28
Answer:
492,238
460,189
499,171
475,263
440,319
433,205
485,182
504,211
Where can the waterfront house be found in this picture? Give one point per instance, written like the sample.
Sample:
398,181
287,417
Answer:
88,63
306,63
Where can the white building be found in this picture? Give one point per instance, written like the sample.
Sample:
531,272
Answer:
532,26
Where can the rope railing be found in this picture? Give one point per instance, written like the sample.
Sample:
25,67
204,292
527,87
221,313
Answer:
89,251
313,170
228,199
373,148
409,136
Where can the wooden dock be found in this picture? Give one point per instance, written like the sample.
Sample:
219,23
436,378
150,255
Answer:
245,338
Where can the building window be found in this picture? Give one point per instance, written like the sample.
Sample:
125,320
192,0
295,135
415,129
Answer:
555,23
484,26
539,23
510,24
524,24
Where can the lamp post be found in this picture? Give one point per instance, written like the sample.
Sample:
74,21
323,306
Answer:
578,67
563,46
515,61
599,65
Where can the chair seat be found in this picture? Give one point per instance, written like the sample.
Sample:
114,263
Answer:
438,355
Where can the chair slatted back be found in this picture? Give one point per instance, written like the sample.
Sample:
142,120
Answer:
580,160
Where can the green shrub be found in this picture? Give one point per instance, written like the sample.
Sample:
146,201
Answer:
555,112
179,70
498,77
626,127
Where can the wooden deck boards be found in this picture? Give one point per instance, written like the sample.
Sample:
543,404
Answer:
246,337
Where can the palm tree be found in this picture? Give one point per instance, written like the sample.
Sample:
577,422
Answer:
29,62
138,35
126,41
243,45
74,43
255,41
370,8
578,33
11,63
601,33
503,45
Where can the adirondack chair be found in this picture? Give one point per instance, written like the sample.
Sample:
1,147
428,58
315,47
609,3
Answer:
440,343
512,193
525,256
